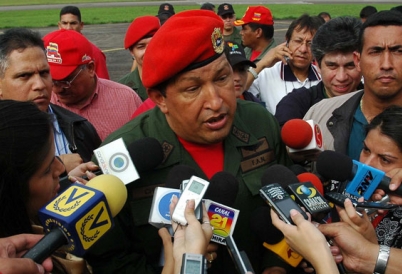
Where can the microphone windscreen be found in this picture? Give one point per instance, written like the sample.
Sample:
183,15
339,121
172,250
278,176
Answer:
261,225
178,174
296,133
146,153
278,174
312,178
114,190
334,166
223,188
297,169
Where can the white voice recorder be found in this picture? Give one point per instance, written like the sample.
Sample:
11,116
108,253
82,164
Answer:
194,190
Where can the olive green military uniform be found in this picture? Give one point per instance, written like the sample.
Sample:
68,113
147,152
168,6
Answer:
252,145
235,36
248,51
133,80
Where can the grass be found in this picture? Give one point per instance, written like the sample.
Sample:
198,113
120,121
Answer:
49,17
47,2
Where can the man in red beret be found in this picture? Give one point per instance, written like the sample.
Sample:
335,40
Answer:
199,123
106,104
137,38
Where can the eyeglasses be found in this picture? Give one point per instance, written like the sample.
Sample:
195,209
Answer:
66,84
226,16
298,43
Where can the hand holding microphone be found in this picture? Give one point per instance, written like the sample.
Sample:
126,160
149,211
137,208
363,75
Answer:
79,216
303,231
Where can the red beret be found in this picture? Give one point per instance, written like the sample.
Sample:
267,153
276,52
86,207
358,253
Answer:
188,40
65,51
141,27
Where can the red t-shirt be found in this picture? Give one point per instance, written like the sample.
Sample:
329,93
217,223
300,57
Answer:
209,158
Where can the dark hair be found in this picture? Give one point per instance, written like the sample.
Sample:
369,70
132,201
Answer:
267,30
397,8
389,124
207,6
367,11
381,18
24,143
311,23
71,9
340,34
324,14
16,39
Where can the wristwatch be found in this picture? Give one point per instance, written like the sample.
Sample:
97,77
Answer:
253,72
382,260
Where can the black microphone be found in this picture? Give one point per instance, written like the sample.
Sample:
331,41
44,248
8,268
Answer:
223,188
219,198
362,180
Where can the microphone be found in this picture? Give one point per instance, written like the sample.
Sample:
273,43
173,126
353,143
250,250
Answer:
362,180
126,162
309,194
219,199
79,216
302,137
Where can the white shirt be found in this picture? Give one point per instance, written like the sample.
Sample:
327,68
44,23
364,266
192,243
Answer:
275,82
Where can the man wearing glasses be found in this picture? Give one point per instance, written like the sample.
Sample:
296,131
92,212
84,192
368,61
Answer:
25,76
228,15
106,104
296,71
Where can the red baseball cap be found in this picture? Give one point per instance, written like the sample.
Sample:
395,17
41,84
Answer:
257,14
65,51
188,40
141,27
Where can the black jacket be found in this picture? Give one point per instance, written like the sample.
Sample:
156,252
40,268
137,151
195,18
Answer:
80,133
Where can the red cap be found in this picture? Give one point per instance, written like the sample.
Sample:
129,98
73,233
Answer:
296,133
258,14
65,51
141,27
188,40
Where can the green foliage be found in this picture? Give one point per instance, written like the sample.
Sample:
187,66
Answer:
49,17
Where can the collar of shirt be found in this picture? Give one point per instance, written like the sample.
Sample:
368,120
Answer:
287,74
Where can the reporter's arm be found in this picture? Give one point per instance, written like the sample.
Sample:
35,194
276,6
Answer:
308,241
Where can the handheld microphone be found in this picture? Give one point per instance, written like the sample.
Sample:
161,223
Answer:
302,137
362,180
126,162
79,216
309,194
219,198
145,153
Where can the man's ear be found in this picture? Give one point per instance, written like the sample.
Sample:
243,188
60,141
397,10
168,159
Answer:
356,60
91,68
259,32
156,96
